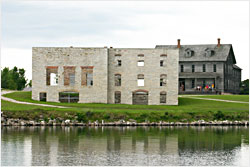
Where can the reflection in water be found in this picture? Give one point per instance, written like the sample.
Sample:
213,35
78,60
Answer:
124,146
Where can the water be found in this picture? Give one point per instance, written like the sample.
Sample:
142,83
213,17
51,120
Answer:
210,146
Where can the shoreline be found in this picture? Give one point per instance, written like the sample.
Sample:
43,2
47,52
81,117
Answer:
20,122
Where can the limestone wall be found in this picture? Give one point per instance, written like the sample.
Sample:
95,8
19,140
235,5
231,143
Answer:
151,70
105,66
77,57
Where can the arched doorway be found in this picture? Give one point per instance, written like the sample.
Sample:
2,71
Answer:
140,97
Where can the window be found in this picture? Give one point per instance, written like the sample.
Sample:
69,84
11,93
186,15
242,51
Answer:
193,83
119,62
72,79
87,75
68,97
140,80
117,97
89,79
193,68
140,63
69,75
204,68
215,68
43,96
118,80
182,68
163,97
163,80
51,75
209,52
161,63
188,53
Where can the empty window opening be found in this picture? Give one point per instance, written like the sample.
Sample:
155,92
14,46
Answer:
89,79
68,97
193,83
69,75
204,68
161,63
43,96
193,68
215,68
119,62
163,80
140,80
140,55
51,75
163,97
117,97
140,97
118,80
140,63
118,55
87,76
182,68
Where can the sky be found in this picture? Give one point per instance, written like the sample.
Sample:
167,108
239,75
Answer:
124,24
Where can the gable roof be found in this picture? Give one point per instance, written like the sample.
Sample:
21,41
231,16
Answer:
220,53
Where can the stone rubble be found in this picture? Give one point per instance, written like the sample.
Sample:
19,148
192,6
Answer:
20,122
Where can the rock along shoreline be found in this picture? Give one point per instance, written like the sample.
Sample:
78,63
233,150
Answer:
20,122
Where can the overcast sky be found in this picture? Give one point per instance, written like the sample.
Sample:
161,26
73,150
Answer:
26,24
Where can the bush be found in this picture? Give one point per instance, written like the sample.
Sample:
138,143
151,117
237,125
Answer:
219,115
80,117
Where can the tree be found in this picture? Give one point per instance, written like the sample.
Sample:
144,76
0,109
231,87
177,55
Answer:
5,78
13,79
244,87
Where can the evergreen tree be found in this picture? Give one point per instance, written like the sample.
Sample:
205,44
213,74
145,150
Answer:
13,79
5,78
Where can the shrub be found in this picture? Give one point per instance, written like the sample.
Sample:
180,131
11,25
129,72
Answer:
219,115
80,117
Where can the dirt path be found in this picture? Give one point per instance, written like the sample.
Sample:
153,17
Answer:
229,101
21,102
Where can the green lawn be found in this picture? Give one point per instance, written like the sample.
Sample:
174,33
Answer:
187,110
244,98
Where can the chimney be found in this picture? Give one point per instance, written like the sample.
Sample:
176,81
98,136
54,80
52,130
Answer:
179,43
218,44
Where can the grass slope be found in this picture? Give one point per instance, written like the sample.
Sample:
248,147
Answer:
187,110
244,98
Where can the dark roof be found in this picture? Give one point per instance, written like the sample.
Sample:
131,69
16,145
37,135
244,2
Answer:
236,67
219,53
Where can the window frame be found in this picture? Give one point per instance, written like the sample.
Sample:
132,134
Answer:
203,67
214,68
193,68
182,68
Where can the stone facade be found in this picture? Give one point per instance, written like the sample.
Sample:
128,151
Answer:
46,57
101,74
